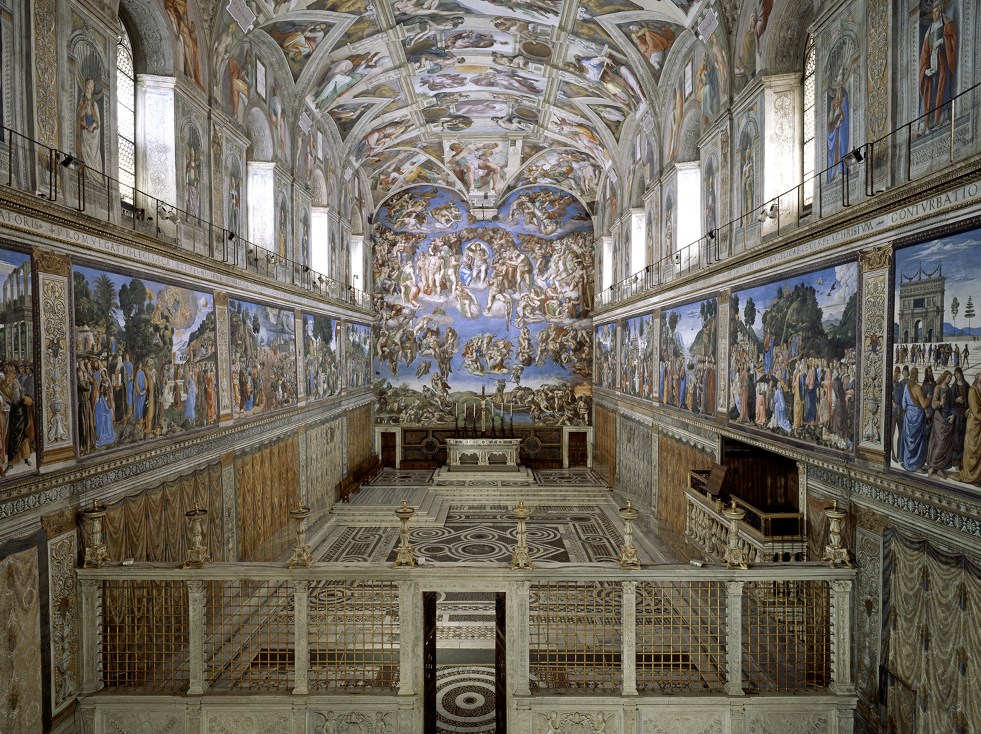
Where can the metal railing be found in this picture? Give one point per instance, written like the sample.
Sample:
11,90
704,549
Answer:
64,180
158,628
882,164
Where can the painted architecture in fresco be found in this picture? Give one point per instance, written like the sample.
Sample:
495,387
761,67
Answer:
469,306
145,359
263,357
18,391
321,357
357,356
637,356
791,368
935,426
687,364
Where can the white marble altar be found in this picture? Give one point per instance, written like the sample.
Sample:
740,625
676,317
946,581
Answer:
489,454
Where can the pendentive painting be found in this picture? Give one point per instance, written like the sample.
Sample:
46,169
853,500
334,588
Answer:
606,355
263,352
321,346
357,356
18,392
473,308
687,375
935,430
145,358
637,356
792,357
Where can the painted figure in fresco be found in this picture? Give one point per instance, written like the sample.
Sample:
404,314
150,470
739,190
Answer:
299,40
507,79
192,182
345,73
89,128
711,220
914,440
234,202
838,122
421,8
187,34
652,44
240,84
938,63
970,472
747,177
674,123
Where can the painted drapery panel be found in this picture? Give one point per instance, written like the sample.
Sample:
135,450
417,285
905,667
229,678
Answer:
637,356
267,485
935,429
606,355
146,363
358,439
321,352
468,306
151,526
263,352
930,640
792,356
18,413
357,356
676,457
689,342
20,625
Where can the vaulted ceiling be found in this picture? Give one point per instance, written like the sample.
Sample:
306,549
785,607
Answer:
480,95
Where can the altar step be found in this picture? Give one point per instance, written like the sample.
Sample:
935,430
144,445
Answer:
431,510
533,495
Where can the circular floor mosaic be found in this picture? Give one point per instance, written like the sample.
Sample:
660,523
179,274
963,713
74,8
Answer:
465,699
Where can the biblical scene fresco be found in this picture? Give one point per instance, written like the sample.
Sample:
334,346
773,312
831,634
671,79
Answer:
935,426
321,356
468,306
687,363
564,167
18,391
606,355
792,357
357,356
751,40
263,354
637,352
653,39
145,359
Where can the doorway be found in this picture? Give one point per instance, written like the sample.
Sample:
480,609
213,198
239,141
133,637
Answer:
464,662
388,449
577,449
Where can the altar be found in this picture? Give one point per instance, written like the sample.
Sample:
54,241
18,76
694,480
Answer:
484,454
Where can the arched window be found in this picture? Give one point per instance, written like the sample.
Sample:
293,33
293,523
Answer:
126,115
807,88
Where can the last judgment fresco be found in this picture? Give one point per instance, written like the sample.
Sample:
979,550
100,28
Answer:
469,307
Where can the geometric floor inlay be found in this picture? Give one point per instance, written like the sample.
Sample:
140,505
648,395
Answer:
577,534
465,699
569,478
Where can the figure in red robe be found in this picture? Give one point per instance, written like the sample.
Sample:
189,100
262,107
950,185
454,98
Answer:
938,62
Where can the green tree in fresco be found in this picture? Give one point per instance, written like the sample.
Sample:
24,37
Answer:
955,306
969,313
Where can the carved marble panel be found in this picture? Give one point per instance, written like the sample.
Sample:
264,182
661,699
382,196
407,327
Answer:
63,615
355,722
137,722
238,721
787,722
657,722
576,722
868,614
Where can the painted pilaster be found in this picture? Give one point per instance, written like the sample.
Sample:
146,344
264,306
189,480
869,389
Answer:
301,639
224,358
56,411
721,374
841,636
782,150
875,410
734,638
262,205
195,637
300,332
156,144
63,607
229,505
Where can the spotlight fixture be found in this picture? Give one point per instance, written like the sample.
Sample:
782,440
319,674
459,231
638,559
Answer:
231,236
676,258
770,213
762,216
711,234
306,268
71,163
853,158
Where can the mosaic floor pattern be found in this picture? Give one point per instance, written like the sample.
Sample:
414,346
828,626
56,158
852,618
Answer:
400,478
465,699
569,478
577,534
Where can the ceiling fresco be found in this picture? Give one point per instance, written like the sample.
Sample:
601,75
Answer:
482,96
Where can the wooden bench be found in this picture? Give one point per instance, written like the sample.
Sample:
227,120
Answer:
352,482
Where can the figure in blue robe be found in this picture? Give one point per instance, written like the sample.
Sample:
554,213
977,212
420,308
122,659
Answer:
140,396
913,440
780,410
105,433
192,392
838,121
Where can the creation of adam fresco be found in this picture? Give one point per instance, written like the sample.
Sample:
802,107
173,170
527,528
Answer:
469,306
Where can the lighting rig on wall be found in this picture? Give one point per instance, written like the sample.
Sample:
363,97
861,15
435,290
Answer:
770,213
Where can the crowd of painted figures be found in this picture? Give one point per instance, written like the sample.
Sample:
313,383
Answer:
16,414
688,384
936,412
123,398
266,380
804,397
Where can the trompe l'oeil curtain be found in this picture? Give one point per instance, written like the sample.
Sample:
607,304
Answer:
932,636
267,485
